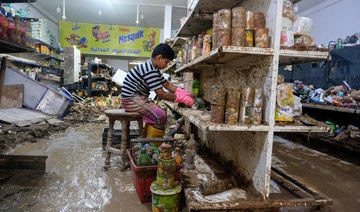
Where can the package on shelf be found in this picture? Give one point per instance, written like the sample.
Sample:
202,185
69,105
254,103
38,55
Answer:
288,9
302,26
284,103
287,33
304,40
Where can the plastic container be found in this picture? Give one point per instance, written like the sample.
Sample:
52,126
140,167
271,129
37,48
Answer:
11,32
144,176
196,87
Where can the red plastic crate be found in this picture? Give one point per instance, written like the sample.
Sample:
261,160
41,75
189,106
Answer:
143,176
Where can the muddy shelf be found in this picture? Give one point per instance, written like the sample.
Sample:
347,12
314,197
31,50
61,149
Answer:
290,57
49,77
299,128
170,68
201,119
286,191
332,108
201,18
223,55
179,41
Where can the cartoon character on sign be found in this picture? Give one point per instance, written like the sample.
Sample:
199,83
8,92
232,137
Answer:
73,40
148,45
99,35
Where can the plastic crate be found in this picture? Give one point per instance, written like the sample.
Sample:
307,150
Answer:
143,176
117,136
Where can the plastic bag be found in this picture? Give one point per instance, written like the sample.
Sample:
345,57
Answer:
303,26
284,103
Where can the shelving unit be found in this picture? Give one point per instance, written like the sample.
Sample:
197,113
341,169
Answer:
11,47
332,108
248,148
90,69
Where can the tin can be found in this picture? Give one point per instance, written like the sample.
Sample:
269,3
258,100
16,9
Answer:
231,114
238,17
217,95
249,20
217,113
224,37
259,20
238,37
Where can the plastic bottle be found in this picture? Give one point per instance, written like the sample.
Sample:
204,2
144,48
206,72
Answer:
196,87
144,159
18,27
11,28
23,32
176,155
2,33
179,124
4,24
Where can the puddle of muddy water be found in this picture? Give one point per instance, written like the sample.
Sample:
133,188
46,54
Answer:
333,177
74,178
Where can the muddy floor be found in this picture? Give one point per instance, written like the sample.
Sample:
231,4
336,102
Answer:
74,179
333,177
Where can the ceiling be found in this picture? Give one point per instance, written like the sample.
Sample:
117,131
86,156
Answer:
117,12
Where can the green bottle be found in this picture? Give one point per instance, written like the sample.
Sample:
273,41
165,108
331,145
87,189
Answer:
144,159
196,87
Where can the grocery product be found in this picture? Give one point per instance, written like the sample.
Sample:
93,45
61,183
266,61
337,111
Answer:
238,37
218,94
302,26
215,40
215,22
238,17
232,105
304,40
206,45
288,9
11,32
259,20
200,43
246,104
284,103
3,25
256,112
249,20
224,37
262,38
249,38
224,19
23,32
18,29
217,113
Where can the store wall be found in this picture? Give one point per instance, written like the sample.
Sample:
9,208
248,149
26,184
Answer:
334,19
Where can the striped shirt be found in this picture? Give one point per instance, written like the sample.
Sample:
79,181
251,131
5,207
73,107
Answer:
141,80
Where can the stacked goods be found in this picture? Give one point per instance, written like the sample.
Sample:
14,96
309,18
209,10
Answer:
262,38
247,100
199,44
249,29
288,9
287,34
238,26
302,28
215,31
256,112
217,100
232,105
224,24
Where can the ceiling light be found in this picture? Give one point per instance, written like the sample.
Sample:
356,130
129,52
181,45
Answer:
99,12
58,9
296,8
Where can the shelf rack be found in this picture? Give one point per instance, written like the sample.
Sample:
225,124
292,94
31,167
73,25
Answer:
248,148
11,47
332,108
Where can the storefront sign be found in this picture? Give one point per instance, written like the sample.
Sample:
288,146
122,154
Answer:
118,40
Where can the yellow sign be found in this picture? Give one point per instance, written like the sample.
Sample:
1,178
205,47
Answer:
116,40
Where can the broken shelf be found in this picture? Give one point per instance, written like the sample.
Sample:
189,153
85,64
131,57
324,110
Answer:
224,54
289,57
201,119
301,129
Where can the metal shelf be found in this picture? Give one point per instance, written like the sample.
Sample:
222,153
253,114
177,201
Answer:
301,129
225,54
48,56
201,119
289,57
11,47
170,68
179,41
33,64
49,77
46,44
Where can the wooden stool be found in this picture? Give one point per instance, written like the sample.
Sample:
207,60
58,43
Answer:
125,118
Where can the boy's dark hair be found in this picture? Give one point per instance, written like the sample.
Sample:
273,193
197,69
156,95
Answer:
164,50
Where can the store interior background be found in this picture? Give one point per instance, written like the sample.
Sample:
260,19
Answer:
156,15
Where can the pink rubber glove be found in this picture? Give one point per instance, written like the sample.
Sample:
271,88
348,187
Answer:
182,98
182,91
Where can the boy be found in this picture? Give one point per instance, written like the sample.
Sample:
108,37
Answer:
146,77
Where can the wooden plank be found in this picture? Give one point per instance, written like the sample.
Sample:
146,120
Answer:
331,108
12,96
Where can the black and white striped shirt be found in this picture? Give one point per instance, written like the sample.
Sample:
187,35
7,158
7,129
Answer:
141,80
